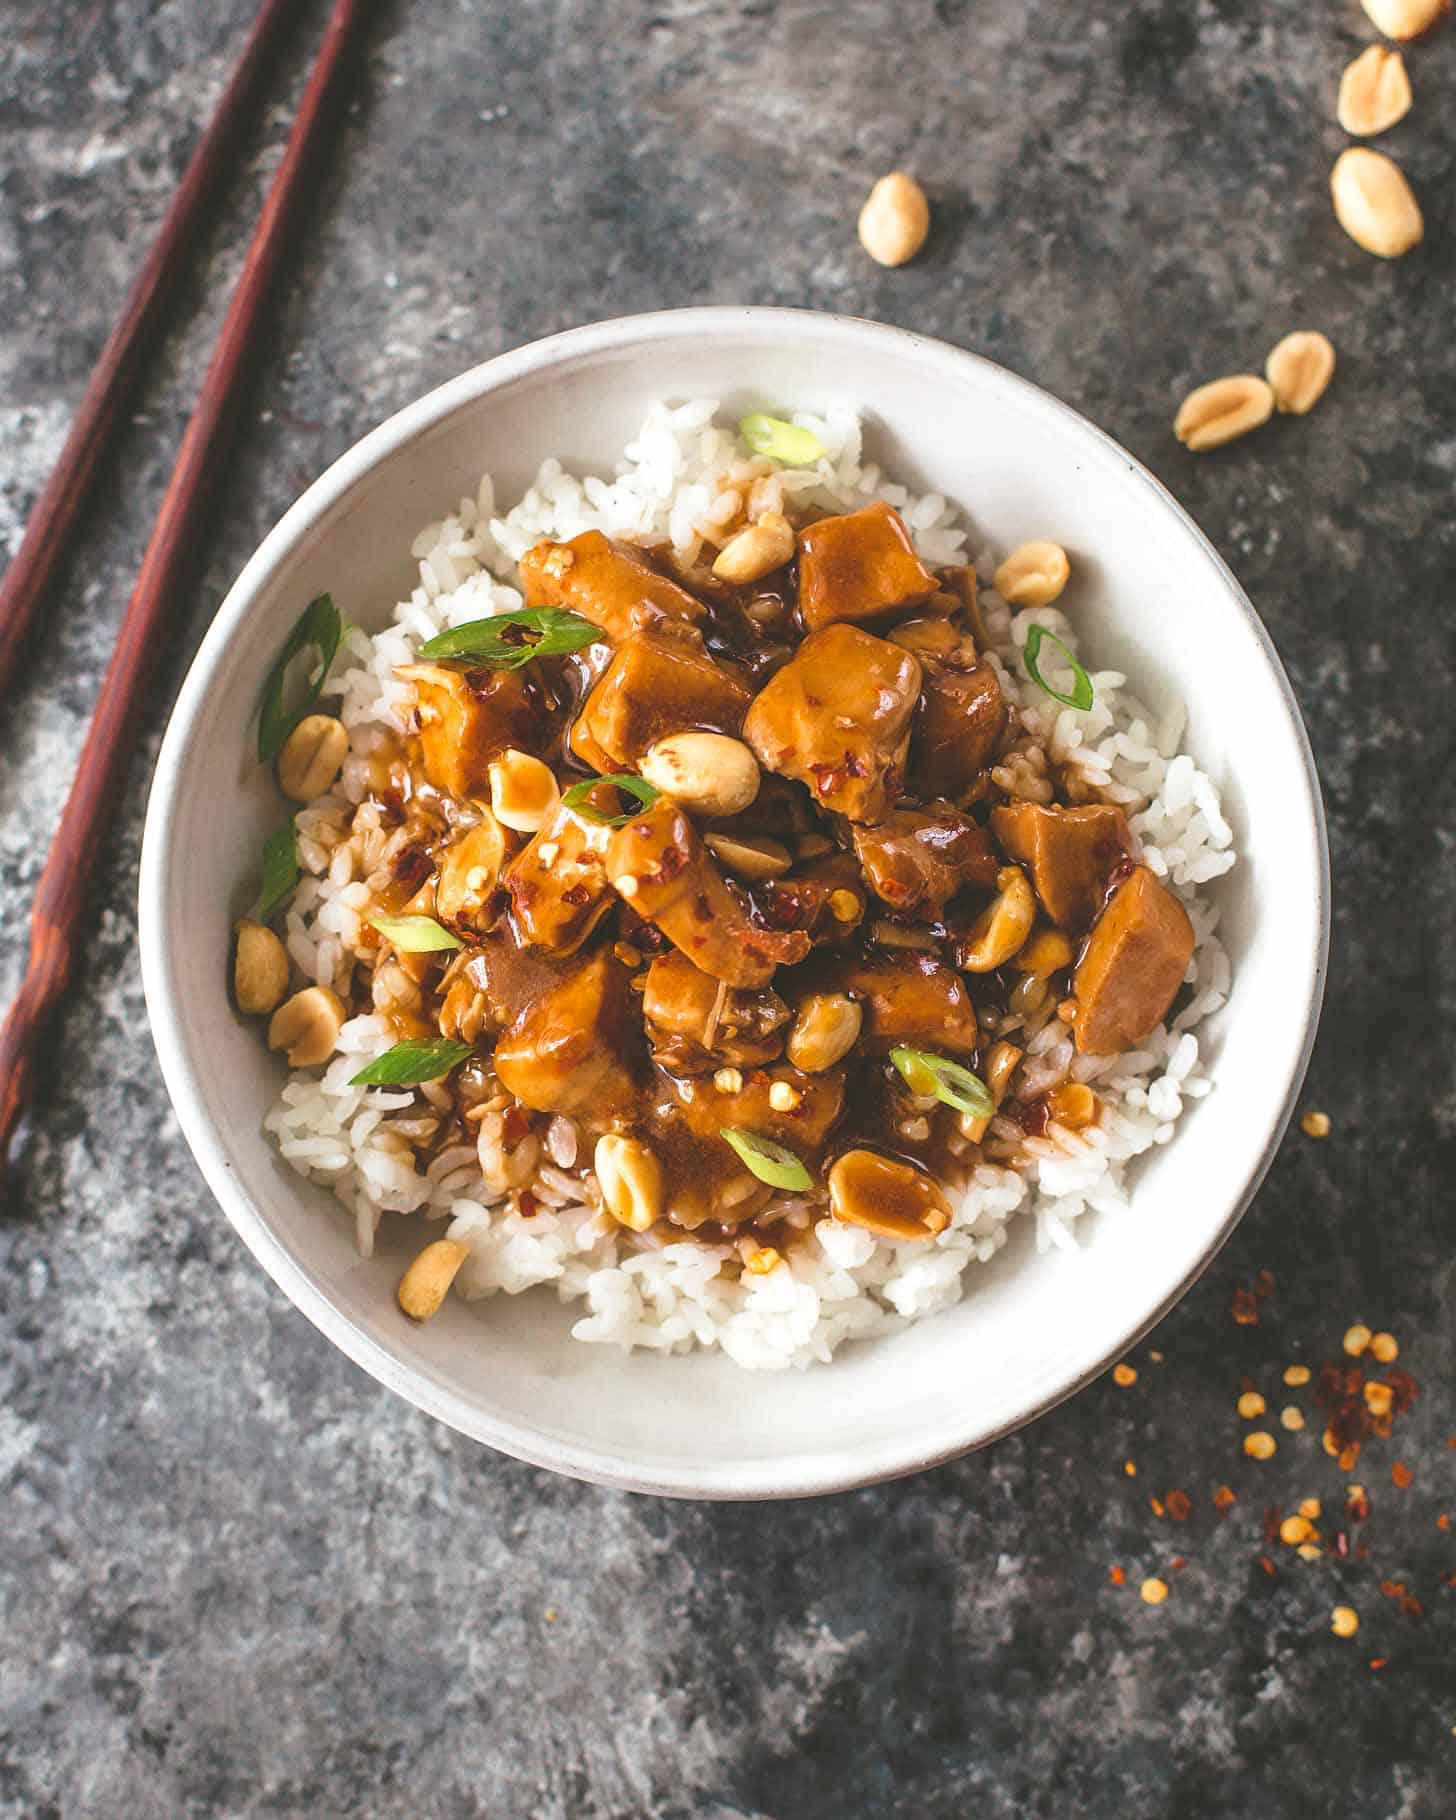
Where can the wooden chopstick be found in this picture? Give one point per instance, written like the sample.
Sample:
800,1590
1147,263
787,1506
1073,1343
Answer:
61,899
130,342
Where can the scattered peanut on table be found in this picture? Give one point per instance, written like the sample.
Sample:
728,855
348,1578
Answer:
1216,413
895,220
1299,369
1375,92
1374,204
1404,19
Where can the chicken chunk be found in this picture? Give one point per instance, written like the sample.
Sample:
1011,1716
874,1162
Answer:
468,717
658,682
695,1023
1072,854
574,1049
489,984
613,587
824,897
917,859
803,1119
860,566
1132,966
837,718
558,882
470,869
906,997
659,866
959,726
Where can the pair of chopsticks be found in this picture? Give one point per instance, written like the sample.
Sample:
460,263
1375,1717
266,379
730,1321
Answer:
61,899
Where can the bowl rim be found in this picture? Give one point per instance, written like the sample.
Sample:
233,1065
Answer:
753,1479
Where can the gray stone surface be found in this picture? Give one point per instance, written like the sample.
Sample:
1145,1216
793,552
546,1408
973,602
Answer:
240,1579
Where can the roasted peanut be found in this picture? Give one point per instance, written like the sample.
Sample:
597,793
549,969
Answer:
424,1286
1375,92
1003,926
1299,369
756,859
260,969
1374,204
895,219
1001,1064
757,550
307,1026
1033,575
523,792
708,773
1073,1104
1216,413
630,1178
312,757
1047,952
824,1032
1403,19
892,1199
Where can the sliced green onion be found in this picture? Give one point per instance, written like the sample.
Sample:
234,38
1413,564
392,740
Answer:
789,443
506,641
407,1064
1082,695
416,934
318,629
577,797
951,1084
280,873
773,1163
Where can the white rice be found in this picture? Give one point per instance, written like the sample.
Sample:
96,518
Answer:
840,1282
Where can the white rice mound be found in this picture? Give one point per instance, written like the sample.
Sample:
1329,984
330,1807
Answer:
839,1282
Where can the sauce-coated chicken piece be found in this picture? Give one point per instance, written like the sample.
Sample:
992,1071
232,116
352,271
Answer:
691,1031
804,1125
837,718
613,587
489,984
577,1047
961,718
917,859
468,717
558,882
1072,854
906,996
859,566
658,682
657,864
469,871
1132,966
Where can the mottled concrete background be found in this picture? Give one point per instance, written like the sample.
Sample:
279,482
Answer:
239,1579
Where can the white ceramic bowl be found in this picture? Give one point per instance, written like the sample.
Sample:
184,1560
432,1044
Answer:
1155,600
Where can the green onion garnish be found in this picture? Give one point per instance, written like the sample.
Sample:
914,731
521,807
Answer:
577,797
773,1163
280,873
318,629
506,641
951,1084
1082,695
789,443
416,934
407,1064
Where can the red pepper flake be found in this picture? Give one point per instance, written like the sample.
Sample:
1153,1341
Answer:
514,1125
1273,1517
1178,1563
1117,1576
1400,1475
1378,1662
1157,1506
1357,1504
1224,1498
1245,1309
1448,1579
528,1203
1179,1505
1342,1545
1443,1521
1267,1565
1264,1284
1393,1589
1411,1606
